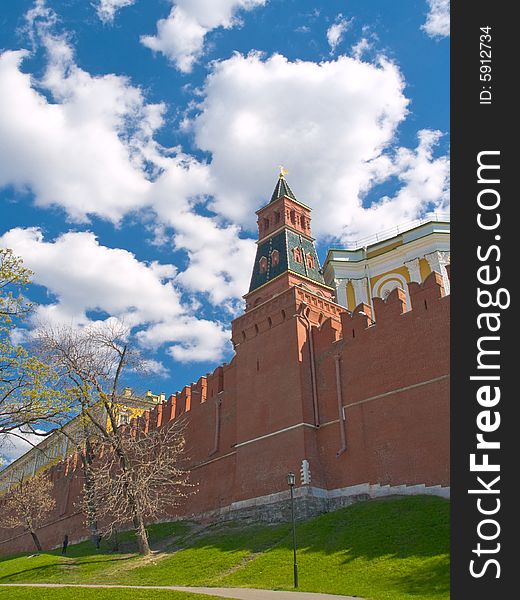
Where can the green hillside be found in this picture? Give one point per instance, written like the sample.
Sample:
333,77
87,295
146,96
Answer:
391,549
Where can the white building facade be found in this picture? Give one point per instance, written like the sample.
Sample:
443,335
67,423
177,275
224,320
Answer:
374,267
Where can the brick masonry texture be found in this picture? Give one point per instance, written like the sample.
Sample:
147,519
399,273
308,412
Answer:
363,396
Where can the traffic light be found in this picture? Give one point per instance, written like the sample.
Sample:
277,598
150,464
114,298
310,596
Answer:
305,472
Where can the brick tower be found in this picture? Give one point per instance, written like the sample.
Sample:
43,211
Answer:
285,255
276,388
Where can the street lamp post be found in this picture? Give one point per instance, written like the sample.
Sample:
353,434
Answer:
291,480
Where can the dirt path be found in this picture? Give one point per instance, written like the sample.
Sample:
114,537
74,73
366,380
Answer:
234,593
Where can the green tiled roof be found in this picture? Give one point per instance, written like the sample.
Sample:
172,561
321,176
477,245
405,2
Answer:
282,189
285,241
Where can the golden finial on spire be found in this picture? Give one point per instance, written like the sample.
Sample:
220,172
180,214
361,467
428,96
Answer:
283,172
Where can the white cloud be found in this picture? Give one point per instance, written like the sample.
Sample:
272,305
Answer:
220,261
90,150
37,18
336,30
87,144
87,152
195,340
181,35
156,367
14,445
107,9
360,48
72,152
82,142
425,187
81,275
331,124
438,19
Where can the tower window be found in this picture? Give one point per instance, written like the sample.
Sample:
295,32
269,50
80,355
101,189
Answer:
302,222
262,264
276,217
297,253
266,223
310,261
293,217
275,258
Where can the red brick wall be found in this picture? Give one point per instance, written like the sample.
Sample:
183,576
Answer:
395,387
394,380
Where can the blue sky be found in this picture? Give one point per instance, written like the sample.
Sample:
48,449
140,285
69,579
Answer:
138,137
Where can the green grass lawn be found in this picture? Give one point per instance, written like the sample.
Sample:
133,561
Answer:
26,593
385,550
391,549
84,564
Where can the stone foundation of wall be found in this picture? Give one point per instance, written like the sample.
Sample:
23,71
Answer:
310,501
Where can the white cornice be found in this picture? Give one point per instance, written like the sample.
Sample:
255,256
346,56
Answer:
387,261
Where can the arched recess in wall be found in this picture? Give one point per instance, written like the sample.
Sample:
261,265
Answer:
387,284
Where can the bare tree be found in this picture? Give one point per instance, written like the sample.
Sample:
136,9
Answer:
94,360
28,503
145,476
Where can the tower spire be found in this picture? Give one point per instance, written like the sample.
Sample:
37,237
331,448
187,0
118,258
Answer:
282,187
286,255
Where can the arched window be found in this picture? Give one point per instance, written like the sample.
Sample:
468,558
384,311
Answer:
386,285
310,261
389,289
262,264
276,217
266,223
275,258
297,253
303,222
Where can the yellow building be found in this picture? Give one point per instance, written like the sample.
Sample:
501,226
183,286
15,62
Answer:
373,267
130,406
57,445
